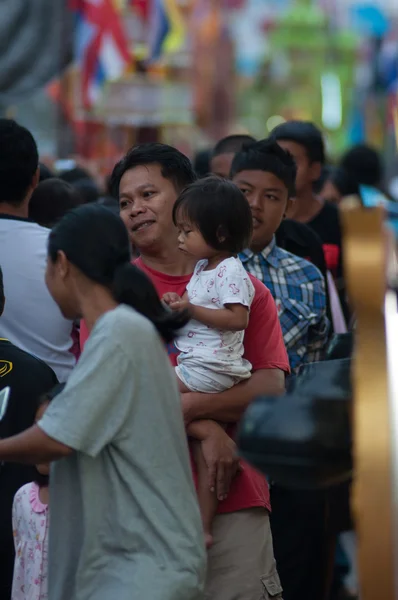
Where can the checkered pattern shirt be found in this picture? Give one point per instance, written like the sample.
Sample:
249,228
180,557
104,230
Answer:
299,292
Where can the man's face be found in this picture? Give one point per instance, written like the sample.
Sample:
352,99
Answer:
307,172
268,198
221,165
146,202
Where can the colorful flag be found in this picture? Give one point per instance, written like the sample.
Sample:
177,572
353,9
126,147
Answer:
167,28
101,46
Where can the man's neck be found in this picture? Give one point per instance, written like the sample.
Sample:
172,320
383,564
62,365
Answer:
21,211
169,261
305,207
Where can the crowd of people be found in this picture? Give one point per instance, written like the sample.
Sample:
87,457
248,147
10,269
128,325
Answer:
233,275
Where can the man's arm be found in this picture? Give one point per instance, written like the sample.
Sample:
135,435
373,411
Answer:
229,406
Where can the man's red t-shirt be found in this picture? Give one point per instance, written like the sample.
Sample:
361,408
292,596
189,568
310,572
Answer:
264,349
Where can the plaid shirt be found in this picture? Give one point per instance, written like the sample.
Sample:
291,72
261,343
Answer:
299,292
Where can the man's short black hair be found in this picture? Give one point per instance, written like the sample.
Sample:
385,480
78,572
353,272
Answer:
219,210
232,144
19,160
304,133
267,156
364,164
51,200
175,166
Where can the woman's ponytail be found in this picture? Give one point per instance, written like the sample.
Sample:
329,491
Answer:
132,287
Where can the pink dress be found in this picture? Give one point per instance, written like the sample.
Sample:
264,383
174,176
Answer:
30,527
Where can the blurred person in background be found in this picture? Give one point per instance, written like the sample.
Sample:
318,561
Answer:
51,200
201,163
224,152
83,182
31,319
28,379
337,184
364,164
305,143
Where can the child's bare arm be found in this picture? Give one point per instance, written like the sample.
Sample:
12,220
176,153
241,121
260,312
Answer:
234,317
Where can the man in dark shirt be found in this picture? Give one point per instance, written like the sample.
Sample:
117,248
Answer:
28,378
305,143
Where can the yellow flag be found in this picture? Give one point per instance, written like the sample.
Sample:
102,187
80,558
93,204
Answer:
176,36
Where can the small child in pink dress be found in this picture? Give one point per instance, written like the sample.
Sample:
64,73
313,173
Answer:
30,521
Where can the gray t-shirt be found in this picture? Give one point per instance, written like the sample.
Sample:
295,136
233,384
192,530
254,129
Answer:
125,523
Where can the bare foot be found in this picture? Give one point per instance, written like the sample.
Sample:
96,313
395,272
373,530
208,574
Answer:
208,540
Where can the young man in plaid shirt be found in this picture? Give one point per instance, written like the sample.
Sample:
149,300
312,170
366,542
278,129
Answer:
266,175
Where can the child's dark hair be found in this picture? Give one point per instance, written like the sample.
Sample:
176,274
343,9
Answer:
267,156
95,240
219,210
40,479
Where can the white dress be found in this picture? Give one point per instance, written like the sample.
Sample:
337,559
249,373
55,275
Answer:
211,360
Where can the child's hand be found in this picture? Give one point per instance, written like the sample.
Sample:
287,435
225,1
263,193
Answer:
171,298
175,302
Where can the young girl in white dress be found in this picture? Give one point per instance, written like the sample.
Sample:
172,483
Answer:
215,224
30,522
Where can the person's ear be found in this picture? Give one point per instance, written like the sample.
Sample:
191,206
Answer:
62,264
315,171
289,206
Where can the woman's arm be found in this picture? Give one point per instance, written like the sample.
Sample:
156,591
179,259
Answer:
32,446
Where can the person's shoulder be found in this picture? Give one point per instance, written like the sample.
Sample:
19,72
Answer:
330,212
22,360
124,322
261,292
24,492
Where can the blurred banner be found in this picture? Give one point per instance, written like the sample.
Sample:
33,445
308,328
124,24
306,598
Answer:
35,45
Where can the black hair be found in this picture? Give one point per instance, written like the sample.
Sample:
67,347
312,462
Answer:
96,241
51,200
175,166
87,190
2,296
232,144
75,174
45,172
19,161
267,156
40,479
219,210
304,133
343,180
364,164
201,163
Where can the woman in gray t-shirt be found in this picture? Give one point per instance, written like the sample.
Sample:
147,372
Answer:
125,523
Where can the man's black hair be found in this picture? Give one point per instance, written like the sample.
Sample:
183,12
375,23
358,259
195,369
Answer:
364,164
175,166
232,144
304,133
267,156
19,160
45,172
219,210
75,174
201,163
51,200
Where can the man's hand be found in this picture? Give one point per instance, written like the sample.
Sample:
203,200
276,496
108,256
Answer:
219,452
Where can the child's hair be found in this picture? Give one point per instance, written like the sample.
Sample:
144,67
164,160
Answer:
42,480
219,210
